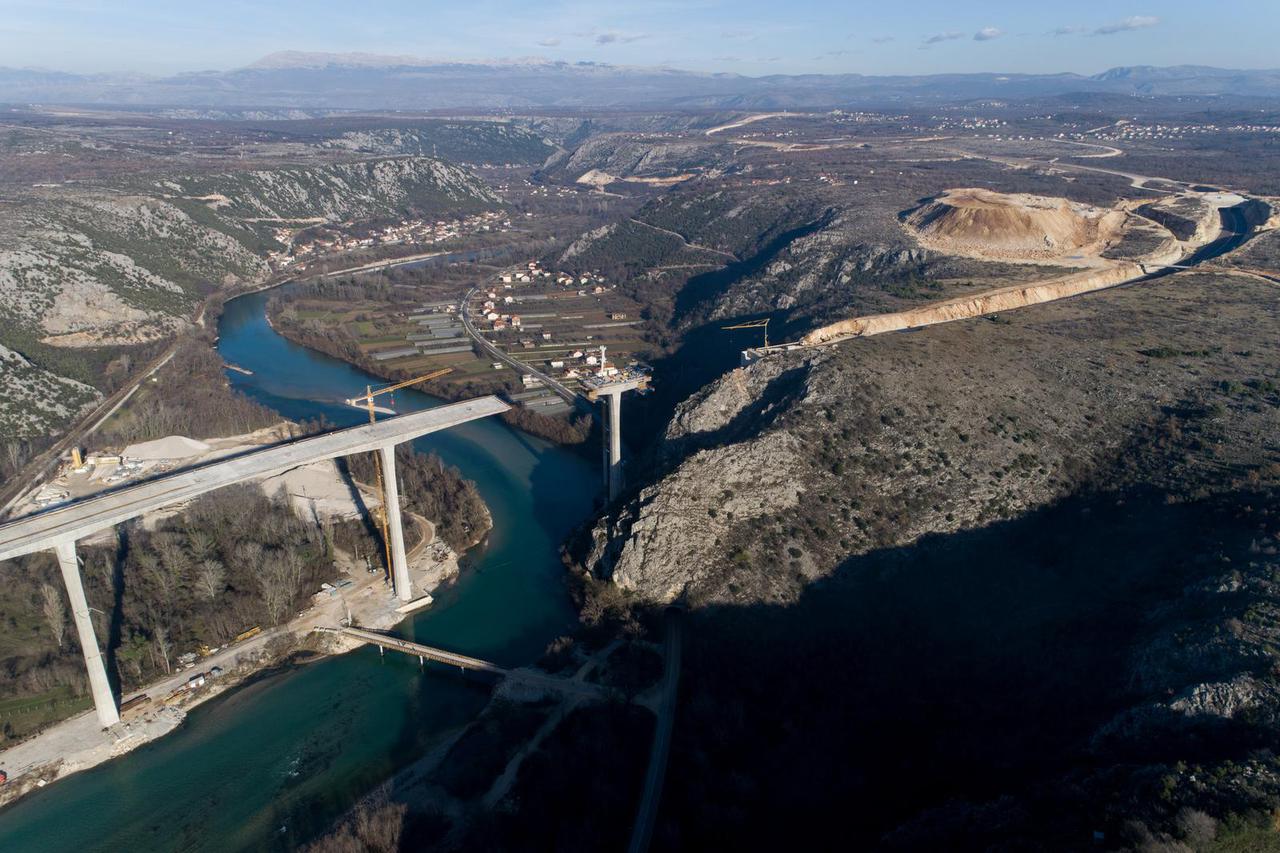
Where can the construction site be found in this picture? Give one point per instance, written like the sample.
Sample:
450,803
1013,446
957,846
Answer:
359,592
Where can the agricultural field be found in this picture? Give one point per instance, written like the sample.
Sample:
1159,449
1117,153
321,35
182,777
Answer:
553,317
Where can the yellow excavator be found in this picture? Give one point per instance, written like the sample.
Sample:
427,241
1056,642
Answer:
754,324
367,402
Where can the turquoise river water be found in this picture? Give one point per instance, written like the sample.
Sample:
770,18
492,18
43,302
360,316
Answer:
266,766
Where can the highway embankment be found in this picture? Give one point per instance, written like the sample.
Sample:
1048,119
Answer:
961,308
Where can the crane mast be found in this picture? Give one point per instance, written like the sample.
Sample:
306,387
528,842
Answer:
754,324
367,401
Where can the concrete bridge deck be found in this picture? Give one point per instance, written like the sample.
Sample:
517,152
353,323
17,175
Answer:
544,681
409,647
59,528
65,524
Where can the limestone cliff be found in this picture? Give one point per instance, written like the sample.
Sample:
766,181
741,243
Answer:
778,472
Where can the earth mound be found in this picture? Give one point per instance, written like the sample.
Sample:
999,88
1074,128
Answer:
169,447
999,226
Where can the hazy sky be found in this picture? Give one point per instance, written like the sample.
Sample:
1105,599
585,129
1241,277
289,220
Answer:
745,36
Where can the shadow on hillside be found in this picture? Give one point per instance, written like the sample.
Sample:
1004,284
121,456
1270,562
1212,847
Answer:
705,354
972,665
706,351
707,286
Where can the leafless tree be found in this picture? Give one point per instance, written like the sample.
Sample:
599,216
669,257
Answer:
101,564
161,637
150,565
248,555
278,579
292,569
376,826
55,612
173,555
14,455
201,545
1197,828
212,578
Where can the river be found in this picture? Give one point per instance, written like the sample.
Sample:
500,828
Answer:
268,765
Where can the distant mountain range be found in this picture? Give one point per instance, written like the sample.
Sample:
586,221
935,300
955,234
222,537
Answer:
365,81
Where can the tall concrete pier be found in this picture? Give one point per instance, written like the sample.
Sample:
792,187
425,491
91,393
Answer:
611,399
60,527
399,562
608,385
99,686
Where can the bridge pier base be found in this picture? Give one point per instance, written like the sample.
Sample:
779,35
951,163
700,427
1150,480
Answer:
399,562
103,701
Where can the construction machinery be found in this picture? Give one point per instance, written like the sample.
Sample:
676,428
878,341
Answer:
754,324
367,402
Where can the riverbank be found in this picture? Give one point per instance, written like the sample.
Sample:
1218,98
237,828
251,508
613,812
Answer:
558,430
356,595
318,491
272,763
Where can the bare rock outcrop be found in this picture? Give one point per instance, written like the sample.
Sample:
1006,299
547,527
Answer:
673,535
776,474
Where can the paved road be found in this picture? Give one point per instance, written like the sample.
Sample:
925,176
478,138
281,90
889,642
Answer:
647,814
570,396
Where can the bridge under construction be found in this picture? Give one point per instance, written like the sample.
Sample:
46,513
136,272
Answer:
60,528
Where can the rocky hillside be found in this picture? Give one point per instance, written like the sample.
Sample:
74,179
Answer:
824,454
88,268
623,155
361,189
1011,580
105,267
806,243
469,142
41,400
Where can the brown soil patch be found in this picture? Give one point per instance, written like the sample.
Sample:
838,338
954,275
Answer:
998,226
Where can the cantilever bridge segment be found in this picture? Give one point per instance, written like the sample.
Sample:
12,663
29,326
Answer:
59,528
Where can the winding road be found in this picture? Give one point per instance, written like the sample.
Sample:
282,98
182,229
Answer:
684,239
660,750
570,396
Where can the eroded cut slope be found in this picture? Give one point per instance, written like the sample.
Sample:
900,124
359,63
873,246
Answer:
990,225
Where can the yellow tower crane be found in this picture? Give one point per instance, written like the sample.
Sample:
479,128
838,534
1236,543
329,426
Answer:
367,401
754,324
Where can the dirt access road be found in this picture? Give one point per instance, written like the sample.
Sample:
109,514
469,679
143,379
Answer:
80,742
